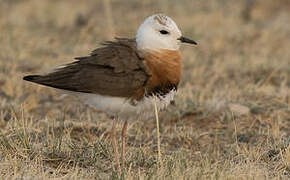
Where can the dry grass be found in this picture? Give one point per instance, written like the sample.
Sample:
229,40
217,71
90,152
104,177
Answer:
231,118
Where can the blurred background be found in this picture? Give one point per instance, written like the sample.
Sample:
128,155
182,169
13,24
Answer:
234,95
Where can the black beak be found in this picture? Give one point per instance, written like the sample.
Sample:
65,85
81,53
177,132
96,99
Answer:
186,40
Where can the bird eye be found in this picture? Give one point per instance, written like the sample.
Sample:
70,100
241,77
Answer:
164,32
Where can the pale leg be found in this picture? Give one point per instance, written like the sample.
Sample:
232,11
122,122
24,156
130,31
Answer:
115,146
124,133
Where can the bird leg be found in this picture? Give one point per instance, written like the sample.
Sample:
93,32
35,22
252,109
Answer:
114,143
124,133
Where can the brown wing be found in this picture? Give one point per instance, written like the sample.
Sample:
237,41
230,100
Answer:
115,69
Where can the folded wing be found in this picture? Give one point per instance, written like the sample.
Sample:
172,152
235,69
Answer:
115,70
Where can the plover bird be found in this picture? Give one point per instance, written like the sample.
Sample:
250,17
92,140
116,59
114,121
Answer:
125,77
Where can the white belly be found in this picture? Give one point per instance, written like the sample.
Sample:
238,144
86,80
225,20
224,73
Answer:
123,108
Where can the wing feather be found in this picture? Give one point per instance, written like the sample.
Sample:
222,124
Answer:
115,69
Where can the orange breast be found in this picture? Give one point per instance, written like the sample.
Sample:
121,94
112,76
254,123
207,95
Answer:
165,68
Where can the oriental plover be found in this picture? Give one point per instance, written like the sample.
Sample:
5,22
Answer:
125,77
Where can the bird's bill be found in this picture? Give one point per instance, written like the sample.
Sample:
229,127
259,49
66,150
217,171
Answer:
187,40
